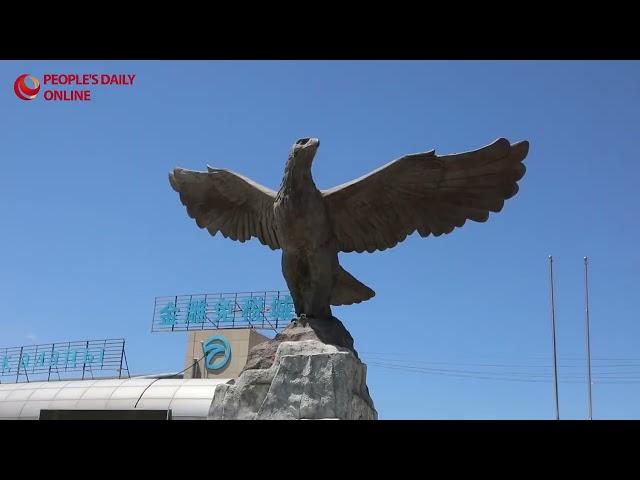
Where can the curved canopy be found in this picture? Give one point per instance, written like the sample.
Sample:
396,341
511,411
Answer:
187,398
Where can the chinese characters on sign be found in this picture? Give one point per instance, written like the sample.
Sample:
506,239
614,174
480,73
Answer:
69,359
268,310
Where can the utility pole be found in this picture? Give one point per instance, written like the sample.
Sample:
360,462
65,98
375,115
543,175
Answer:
553,330
586,318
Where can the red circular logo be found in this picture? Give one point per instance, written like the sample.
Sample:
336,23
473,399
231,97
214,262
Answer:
22,90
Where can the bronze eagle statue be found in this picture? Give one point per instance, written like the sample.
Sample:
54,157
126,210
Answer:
423,192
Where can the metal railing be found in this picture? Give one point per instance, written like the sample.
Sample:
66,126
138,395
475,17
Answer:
63,360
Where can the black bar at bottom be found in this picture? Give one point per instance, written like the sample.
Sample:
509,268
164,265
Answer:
105,414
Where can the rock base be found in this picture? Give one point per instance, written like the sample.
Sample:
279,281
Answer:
303,379
329,332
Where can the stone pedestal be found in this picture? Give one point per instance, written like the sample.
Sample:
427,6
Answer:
298,376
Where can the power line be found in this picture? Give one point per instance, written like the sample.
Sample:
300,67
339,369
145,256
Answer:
508,365
501,376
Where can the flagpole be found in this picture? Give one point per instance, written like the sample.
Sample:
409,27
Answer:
586,317
553,329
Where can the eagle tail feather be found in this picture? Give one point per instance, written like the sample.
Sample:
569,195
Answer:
348,290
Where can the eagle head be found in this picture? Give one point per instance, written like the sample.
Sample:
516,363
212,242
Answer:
303,151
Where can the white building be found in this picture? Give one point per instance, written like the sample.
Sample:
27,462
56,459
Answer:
187,395
184,398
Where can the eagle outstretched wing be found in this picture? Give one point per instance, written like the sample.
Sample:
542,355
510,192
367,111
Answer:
229,203
425,192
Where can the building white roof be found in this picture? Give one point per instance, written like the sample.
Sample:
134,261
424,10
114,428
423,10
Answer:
188,398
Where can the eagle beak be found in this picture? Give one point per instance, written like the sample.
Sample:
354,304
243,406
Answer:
313,144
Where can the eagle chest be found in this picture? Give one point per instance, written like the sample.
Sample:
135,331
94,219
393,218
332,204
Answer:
302,220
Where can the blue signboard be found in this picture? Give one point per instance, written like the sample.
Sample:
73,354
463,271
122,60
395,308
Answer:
214,347
79,359
262,310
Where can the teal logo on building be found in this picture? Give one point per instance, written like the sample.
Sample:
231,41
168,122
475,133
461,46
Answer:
213,348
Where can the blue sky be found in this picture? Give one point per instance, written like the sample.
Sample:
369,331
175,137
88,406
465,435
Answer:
460,325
